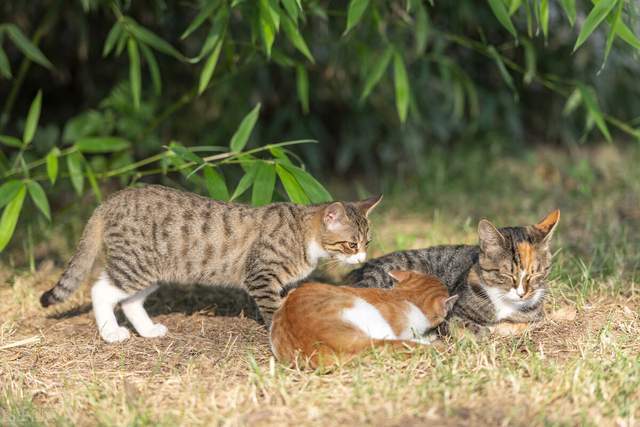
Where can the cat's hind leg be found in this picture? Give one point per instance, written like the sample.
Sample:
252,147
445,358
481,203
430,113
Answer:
133,308
104,297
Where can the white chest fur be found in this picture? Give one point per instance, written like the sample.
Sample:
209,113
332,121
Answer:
369,320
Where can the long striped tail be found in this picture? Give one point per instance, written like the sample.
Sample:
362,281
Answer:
80,264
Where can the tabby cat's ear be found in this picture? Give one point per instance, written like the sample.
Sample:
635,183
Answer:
366,206
399,275
491,240
334,215
450,302
548,225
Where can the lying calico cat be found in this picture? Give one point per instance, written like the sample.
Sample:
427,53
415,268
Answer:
502,279
324,324
156,234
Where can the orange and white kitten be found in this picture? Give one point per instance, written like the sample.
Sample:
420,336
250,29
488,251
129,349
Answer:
325,324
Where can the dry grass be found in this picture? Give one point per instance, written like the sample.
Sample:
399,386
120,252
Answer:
581,366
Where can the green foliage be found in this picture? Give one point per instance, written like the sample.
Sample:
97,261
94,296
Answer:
205,88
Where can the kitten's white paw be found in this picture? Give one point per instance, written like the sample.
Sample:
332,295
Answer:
118,334
158,330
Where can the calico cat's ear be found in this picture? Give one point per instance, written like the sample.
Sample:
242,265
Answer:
334,215
366,206
491,240
548,225
399,275
450,302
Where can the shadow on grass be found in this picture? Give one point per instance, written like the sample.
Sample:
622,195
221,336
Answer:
225,301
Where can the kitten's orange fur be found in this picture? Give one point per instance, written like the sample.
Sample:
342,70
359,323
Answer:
311,322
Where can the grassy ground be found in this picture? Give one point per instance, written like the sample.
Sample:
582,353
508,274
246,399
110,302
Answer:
580,366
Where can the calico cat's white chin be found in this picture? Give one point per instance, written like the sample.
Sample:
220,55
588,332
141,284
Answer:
508,303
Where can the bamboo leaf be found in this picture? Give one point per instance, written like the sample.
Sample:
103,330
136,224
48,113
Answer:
32,119
377,71
544,17
267,25
312,188
242,134
134,72
295,37
154,70
596,16
39,198
209,68
8,190
74,164
10,216
293,9
10,141
612,32
627,35
52,164
215,183
302,87
591,103
205,12
291,186
569,7
422,28
355,12
91,177
218,28
264,184
246,181
573,102
25,45
401,86
501,13
102,144
147,37
503,70
114,35
5,66
185,153
530,61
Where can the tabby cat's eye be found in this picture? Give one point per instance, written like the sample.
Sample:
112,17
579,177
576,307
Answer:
353,245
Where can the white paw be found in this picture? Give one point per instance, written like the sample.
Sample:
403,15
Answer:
118,334
158,330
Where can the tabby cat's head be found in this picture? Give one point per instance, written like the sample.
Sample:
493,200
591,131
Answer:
517,260
345,232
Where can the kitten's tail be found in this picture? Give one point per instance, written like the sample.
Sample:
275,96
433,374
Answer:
80,264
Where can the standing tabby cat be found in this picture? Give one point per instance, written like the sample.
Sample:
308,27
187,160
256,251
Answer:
324,324
502,279
155,234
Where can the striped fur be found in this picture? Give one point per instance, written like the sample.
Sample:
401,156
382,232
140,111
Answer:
501,279
157,234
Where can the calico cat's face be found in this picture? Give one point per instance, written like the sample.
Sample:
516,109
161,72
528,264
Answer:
345,231
515,261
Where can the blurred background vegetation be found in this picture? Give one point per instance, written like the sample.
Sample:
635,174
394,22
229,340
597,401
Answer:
96,95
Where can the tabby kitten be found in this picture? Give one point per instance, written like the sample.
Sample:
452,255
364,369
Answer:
325,324
502,279
153,235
